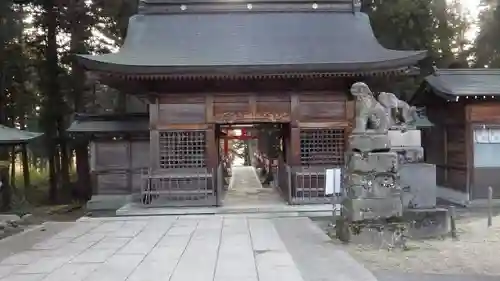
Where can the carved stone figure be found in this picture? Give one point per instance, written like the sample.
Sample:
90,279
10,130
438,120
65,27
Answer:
370,114
371,181
398,112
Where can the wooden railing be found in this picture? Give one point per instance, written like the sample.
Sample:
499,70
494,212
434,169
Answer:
303,185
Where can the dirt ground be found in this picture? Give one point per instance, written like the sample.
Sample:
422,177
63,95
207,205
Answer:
40,215
474,252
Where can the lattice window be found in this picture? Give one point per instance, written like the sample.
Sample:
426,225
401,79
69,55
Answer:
182,149
322,146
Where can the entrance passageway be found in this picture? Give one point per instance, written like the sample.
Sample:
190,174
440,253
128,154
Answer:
245,189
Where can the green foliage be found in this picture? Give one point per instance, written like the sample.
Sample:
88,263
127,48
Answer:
487,44
437,26
433,25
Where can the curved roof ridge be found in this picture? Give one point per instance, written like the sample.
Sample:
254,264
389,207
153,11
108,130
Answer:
318,41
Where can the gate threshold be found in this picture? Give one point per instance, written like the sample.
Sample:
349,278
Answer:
136,209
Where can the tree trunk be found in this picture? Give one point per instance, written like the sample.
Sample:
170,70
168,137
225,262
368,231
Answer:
4,150
83,189
52,92
26,168
64,153
24,157
13,168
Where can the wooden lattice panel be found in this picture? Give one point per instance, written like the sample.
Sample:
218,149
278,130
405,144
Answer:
322,146
182,149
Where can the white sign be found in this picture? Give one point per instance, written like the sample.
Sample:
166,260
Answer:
481,136
494,135
333,181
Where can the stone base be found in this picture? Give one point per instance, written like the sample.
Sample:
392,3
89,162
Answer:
418,180
409,154
427,223
374,208
105,203
371,186
410,138
367,142
379,162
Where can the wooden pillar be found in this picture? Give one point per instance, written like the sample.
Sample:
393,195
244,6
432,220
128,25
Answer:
350,116
154,136
83,168
294,151
294,147
226,147
26,170
212,149
469,152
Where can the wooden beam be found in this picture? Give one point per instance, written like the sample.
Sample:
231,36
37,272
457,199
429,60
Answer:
164,126
322,125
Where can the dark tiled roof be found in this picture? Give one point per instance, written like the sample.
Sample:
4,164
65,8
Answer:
250,42
465,82
109,123
11,136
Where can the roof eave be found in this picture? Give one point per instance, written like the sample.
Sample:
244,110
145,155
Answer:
95,63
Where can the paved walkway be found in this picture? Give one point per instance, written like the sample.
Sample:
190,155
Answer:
185,248
245,188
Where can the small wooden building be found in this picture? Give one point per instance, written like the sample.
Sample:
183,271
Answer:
119,150
464,144
202,65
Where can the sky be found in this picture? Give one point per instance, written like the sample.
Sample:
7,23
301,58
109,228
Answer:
472,7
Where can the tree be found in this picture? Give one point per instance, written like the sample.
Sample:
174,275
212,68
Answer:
487,45
10,28
437,26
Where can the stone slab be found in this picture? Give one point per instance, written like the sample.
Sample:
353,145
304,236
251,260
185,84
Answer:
100,203
409,154
398,138
367,142
116,268
418,180
378,162
428,223
365,209
374,186
134,209
314,254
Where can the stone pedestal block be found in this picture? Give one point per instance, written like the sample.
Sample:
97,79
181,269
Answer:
409,154
368,142
379,185
427,223
380,162
398,138
418,180
367,209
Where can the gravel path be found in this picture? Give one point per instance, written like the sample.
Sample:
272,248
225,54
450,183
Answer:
475,253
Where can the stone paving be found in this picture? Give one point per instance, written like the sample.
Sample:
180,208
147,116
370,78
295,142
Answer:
185,248
245,188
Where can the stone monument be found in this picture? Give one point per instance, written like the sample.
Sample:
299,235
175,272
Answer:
371,184
384,142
